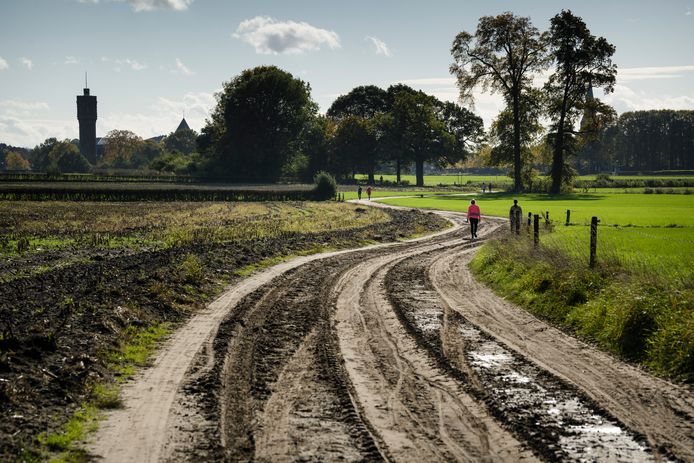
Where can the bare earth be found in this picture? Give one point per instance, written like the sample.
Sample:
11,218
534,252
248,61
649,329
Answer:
389,353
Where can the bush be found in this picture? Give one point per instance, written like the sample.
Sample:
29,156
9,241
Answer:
325,186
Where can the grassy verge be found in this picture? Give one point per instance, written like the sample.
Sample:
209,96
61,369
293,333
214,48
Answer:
637,315
64,443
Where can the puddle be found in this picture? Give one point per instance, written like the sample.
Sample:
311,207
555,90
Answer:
540,404
551,416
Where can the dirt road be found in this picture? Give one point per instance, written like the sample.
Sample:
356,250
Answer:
389,353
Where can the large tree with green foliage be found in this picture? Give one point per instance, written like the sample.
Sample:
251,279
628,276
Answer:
355,142
183,141
71,160
580,60
503,55
365,101
257,124
122,150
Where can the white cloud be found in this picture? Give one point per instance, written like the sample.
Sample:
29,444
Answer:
30,132
150,5
659,72
3,64
182,68
131,63
17,107
380,47
71,60
626,98
269,36
26,62
689,11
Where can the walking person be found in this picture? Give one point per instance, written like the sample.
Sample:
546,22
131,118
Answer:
359,193
515,215
473,216
490,187
368,192
484,187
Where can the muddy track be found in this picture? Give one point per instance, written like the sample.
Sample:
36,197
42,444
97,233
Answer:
378,355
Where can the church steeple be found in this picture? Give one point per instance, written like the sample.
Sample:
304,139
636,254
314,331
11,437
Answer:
183,125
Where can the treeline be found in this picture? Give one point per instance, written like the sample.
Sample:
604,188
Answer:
265,125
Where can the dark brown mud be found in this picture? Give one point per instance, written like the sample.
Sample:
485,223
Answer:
56,326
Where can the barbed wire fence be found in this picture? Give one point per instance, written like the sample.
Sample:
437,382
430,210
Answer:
605,244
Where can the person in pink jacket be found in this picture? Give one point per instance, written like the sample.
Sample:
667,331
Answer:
473,216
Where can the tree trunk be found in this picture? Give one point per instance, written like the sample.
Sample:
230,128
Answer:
420,172
517,180
558,156
397,170
372,179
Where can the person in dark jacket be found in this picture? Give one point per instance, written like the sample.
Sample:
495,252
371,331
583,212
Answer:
515,215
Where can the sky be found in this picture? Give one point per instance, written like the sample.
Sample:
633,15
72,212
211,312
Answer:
150,62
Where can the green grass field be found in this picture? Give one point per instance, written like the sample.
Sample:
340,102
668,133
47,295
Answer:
500,181
610,208
642,231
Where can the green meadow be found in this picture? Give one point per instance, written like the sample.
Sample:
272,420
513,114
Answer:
638,302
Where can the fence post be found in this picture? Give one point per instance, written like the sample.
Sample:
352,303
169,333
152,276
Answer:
536,229
530,216
593,239
547,218
568,217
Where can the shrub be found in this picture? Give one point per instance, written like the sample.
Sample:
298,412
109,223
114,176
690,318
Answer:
325,186
192,269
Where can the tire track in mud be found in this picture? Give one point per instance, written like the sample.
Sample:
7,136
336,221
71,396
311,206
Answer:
550,415
361,356
421,412
661,412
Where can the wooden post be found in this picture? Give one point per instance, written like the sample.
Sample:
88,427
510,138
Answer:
530,216
546,217
536,229
568,217
593,239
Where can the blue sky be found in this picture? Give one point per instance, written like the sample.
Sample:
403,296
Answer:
149,61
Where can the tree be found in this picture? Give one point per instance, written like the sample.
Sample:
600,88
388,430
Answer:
355,143
257,124
654,140
65,149
419,135
122,148
316,147
365,101
465,130
183,141
71,160
502,56
581,60
502,131
40,154
15,161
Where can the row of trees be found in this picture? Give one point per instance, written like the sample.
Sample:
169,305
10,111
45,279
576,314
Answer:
265,125
505,55
122,149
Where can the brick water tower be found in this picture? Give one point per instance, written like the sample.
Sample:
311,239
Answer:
86,115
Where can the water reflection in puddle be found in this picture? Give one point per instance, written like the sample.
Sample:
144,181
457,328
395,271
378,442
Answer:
532,397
